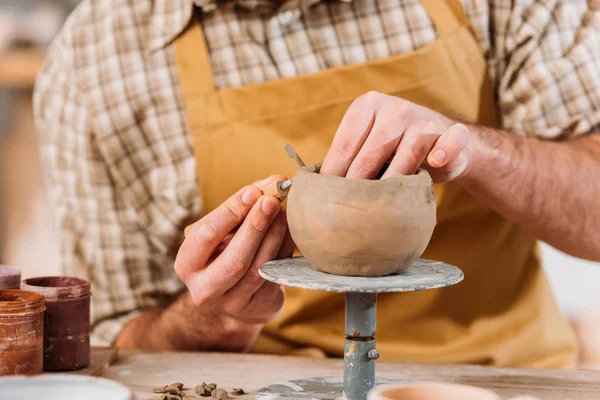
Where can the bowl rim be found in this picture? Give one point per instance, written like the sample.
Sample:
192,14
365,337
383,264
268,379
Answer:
419,175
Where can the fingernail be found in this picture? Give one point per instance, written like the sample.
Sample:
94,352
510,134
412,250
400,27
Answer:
439,156
270,205
250,195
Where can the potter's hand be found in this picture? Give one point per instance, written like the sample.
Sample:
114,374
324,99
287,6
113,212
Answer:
379,129
220,257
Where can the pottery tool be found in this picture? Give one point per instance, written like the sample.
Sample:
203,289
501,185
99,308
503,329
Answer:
294,156
277,189
361,311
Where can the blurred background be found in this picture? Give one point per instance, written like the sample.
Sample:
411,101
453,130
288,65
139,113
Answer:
28,239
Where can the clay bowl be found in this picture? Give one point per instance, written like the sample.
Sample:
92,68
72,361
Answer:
361,227
430,391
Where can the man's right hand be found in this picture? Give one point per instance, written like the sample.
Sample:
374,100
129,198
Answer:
221,255
228,302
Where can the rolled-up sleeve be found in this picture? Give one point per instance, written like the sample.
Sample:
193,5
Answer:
102,236
546,56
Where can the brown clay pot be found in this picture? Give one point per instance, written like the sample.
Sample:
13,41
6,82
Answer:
361,227
430,391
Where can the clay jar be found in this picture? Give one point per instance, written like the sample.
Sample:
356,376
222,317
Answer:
435,391
21,332
361,227
10,278
430,391
66,322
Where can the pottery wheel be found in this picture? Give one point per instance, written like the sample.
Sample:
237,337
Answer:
423,275
361,311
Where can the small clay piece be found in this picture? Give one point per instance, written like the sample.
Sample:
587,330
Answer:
202,390
237,392
205,390
211,387
169,396
174,388
220,394
361,227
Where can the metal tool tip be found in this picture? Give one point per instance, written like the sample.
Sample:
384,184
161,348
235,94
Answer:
286,184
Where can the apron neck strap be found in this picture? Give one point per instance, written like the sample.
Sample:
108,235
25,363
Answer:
447,15
193,58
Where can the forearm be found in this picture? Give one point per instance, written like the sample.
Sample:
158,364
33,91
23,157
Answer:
182,326
548,187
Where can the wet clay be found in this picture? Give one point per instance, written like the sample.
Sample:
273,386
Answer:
361,227
10,277
21,332
66,321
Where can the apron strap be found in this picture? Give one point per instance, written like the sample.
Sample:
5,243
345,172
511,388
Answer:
447,15
195,71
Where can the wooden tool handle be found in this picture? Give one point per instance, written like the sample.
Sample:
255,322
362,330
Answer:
274,189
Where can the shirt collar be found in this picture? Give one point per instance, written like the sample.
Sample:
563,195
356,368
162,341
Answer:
170,17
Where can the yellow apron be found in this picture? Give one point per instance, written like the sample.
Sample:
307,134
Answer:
502,314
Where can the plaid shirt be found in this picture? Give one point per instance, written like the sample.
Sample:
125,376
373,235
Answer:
114,136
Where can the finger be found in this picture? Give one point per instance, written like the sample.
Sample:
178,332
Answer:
449,146
383,140
209,232
229,267
349,138
238,297
265,305
411,153
222,246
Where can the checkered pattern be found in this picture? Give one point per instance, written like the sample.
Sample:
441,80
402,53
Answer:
113,131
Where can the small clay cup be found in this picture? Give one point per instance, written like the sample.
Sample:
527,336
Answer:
66,321
430,391
361,227
10,277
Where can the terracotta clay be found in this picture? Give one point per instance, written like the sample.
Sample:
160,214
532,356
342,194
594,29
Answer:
361,227
430,391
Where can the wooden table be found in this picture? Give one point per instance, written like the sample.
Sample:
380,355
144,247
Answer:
143,370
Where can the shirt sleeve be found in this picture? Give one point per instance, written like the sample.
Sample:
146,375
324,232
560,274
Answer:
546,57
101,236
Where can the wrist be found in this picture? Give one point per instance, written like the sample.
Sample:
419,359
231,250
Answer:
488,152
203,328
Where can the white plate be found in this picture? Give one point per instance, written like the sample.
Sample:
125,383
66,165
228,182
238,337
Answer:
61,387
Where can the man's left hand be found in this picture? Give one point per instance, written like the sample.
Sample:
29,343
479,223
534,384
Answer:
379,129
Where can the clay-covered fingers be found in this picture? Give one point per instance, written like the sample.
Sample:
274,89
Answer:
237,300
209,232
351,134
233,263
411,153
